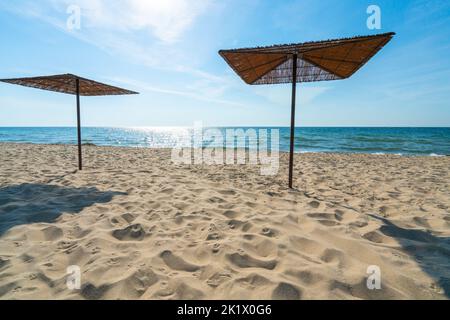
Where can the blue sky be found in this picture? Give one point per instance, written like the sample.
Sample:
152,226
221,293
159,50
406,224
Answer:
167,50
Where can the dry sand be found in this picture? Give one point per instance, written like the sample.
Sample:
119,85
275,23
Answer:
141,227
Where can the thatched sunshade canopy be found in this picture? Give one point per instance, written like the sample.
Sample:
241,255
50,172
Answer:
316,61
304,62
66,83
71,84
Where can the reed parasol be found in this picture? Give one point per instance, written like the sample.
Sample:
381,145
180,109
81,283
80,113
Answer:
304,62
71,84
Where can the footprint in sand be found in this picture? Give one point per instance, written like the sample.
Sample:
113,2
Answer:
231,214
373,236
52,233
139,282
308,246
333,256
263,248
91,292
306,277
128,217
177,263
122,219
213,236
218,278
314,204
133,232
321,215
246,261
326,219
254,280
286,291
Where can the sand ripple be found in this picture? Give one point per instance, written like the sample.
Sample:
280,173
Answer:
140,227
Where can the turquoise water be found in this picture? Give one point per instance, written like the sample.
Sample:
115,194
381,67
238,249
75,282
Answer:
404,141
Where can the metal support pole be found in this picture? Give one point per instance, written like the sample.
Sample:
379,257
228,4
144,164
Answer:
294,86
80,160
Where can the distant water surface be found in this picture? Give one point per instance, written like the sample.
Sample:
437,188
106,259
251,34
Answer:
404,141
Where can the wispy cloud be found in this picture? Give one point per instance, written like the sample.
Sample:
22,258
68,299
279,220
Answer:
166,20
145,31
207,94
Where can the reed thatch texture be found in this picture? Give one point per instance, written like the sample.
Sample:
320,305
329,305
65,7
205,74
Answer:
317,61
66,83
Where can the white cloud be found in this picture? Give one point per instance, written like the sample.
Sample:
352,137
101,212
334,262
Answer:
207,93
167,20
143,31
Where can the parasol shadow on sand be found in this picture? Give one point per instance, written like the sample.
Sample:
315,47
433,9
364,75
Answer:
35,202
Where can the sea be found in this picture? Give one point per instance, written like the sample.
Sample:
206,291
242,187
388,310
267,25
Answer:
422,141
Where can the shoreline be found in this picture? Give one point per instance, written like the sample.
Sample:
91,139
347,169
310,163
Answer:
88,144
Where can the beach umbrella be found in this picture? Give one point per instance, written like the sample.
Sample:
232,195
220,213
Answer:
303,62
71,84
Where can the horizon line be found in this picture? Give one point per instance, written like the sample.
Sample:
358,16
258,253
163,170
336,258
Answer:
232,126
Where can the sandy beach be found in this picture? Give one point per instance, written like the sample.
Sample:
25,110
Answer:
141,227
